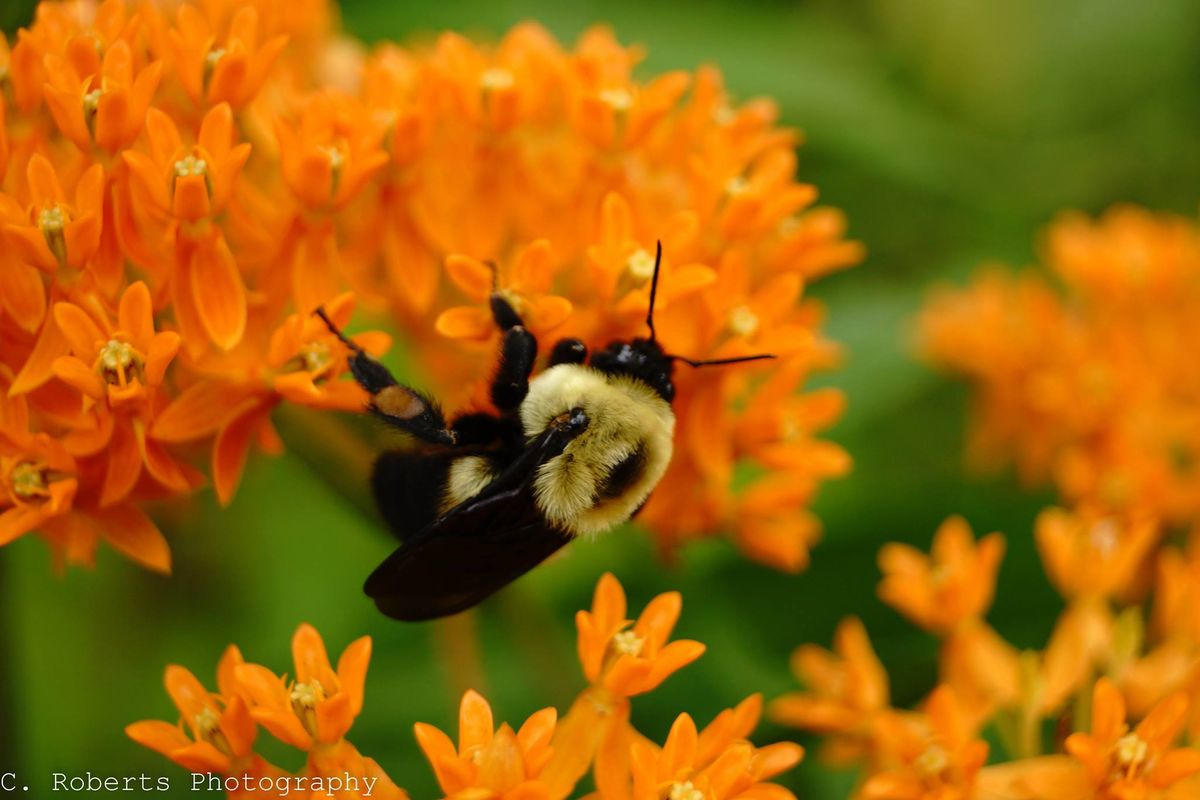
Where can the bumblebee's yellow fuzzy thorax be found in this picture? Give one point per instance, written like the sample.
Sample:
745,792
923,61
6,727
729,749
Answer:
627,421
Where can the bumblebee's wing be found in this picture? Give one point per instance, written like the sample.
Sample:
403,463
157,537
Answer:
477,547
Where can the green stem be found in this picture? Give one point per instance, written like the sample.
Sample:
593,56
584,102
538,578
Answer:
333,449
10,754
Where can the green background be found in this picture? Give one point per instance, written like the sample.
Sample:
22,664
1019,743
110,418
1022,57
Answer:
950,132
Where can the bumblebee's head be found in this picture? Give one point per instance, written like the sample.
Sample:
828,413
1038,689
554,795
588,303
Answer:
645,360
642,359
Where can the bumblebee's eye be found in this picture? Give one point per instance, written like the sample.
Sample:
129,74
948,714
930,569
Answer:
622,476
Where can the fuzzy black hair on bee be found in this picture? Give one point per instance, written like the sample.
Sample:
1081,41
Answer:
572,451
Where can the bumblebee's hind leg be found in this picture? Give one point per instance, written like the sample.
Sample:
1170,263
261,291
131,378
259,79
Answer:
396,404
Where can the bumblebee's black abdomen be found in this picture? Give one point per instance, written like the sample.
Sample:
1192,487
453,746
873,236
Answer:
624,475
408,488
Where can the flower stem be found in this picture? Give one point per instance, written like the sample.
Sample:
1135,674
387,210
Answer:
457,640
332,449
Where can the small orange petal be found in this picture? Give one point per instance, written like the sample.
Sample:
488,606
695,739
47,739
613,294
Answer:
130,531
219,294
465,322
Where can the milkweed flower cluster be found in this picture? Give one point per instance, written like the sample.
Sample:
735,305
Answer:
183,183
143,310
544,758
1088,381
1106,666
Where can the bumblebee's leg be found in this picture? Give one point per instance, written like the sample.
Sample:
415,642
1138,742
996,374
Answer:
396,404
568,351
517,353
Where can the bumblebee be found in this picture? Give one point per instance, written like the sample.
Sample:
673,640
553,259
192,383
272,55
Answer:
570,452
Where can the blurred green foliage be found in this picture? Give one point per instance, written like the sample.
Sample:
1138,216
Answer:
950,133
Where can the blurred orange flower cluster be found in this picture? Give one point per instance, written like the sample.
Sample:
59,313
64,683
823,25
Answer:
1104,662
543,759
1089,381
183,183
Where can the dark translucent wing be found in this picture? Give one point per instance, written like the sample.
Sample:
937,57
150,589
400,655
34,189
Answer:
467,556
477,547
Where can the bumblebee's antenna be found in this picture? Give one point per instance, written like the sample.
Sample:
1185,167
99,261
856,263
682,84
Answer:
713,362
320,312
654,292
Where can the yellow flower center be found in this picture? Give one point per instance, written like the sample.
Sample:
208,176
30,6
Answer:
316,358
52,221
118,362
640,265
496,79
305,697
628,643
684,790
743,321
618,98
91,104
27,481
208,729
1103,537
1130,751
933,761
190,165
337,160
736,185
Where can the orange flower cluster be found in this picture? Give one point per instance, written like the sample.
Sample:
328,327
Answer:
143,312
1092,385
544,759
1103,662
181,184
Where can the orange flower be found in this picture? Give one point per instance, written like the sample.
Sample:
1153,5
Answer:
50,232
107,107
955,583
191,183
933,755
1089,556
232,71
631,660
320,704
331,153
490,763
37,480
846,690
117,364
688,767
1115,763
221,729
